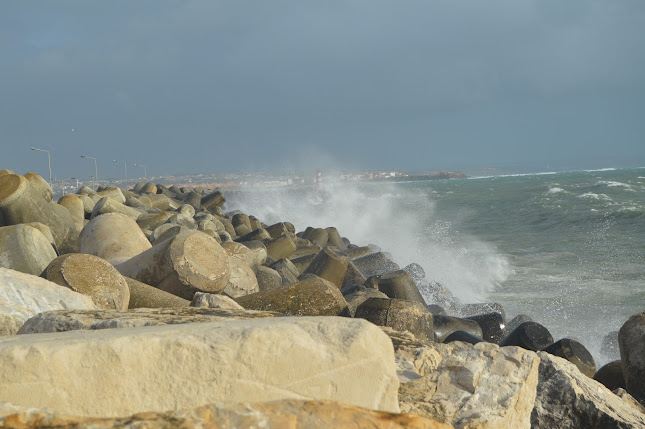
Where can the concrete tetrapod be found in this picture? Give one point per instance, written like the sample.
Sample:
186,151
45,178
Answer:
631,340
91,276
114,237
20,202
24,248
74,204
183,264
398,314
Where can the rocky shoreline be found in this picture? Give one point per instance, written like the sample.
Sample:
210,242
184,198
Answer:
155,307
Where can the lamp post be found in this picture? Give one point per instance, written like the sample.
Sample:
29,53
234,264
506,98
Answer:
125,167
49,162
96,171
145,175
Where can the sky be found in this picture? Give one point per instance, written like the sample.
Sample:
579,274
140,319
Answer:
212,86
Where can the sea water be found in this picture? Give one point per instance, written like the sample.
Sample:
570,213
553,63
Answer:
566,248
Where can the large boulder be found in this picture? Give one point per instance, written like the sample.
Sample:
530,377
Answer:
182,264
310,297
566,398
24,248
631,340
480,386
91,276
398,314
146,296
23,296
114,237
328,265
117,372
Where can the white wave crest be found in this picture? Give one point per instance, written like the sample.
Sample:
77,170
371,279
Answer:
611,184
555,191
594,196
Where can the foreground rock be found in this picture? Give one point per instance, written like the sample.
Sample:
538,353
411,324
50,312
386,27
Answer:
24,248
72,320
23,296
568,399
321,358
481,386
291,413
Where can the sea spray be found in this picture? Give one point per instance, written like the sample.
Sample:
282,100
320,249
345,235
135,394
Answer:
400,220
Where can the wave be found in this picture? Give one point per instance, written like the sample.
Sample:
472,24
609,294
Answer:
601,169
552,191
544,173
612,184
594,196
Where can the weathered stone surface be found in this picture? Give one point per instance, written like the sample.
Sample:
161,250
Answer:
109,205
399,285
568,399
24,248
374,264
631,340
575,353
174,367
242,281
359,296
288,413
480,386
398,314
268,278
446,325
353,275
310,297
211,300
183,264
287,271
40,185
611,375
114,237
91,276
74,204
280,247
318,236
112,192
73,320
146,296
328,265
24,295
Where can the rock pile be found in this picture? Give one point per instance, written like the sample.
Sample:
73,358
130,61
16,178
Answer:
154,307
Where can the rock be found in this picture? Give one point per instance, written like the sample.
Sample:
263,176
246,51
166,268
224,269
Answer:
152,221
242,253
268,278
274,414
357,252
303,262
74,204
91,276
517,321
568,399
359,296
277,229
258,250
24,295
446,325
281,247
399,285
318,236
211,300
631,340
174,367
467,310
146,296
611,375
256,234
464,337
186,263
575,353
112,192
109,205
242,281
213,200
73,320
374,264
328,265
480,386
149,188
20,202
492,326
398,314
629,399
334,239
530,336
415,358
24,248
114,237
353,275
287,271
40,185
310,297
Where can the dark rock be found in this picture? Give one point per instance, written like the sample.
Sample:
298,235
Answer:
328,265
517,321
492,325
631,340
611,375
446,325
463,336
530,336
375,264
575,353
398,314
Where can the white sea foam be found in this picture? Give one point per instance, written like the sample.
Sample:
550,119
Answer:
612,184
601,169
555,191
594,196
402,222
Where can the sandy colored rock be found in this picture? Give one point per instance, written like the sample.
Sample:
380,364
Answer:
109,205
41,185
24,248
117,372
114,237
287,414
242,281
566,398
146,296
310,297
91,276
183,264
113,192
23,296
72,320
481,386
74,205
211,300
328,265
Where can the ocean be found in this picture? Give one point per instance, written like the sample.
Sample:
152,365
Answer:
565,248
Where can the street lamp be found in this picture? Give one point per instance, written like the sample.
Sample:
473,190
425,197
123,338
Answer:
96,171
144,170
125,167
49,162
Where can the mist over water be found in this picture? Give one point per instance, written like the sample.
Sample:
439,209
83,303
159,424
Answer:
568,249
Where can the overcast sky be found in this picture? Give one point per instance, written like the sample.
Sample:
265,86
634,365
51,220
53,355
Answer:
238,86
